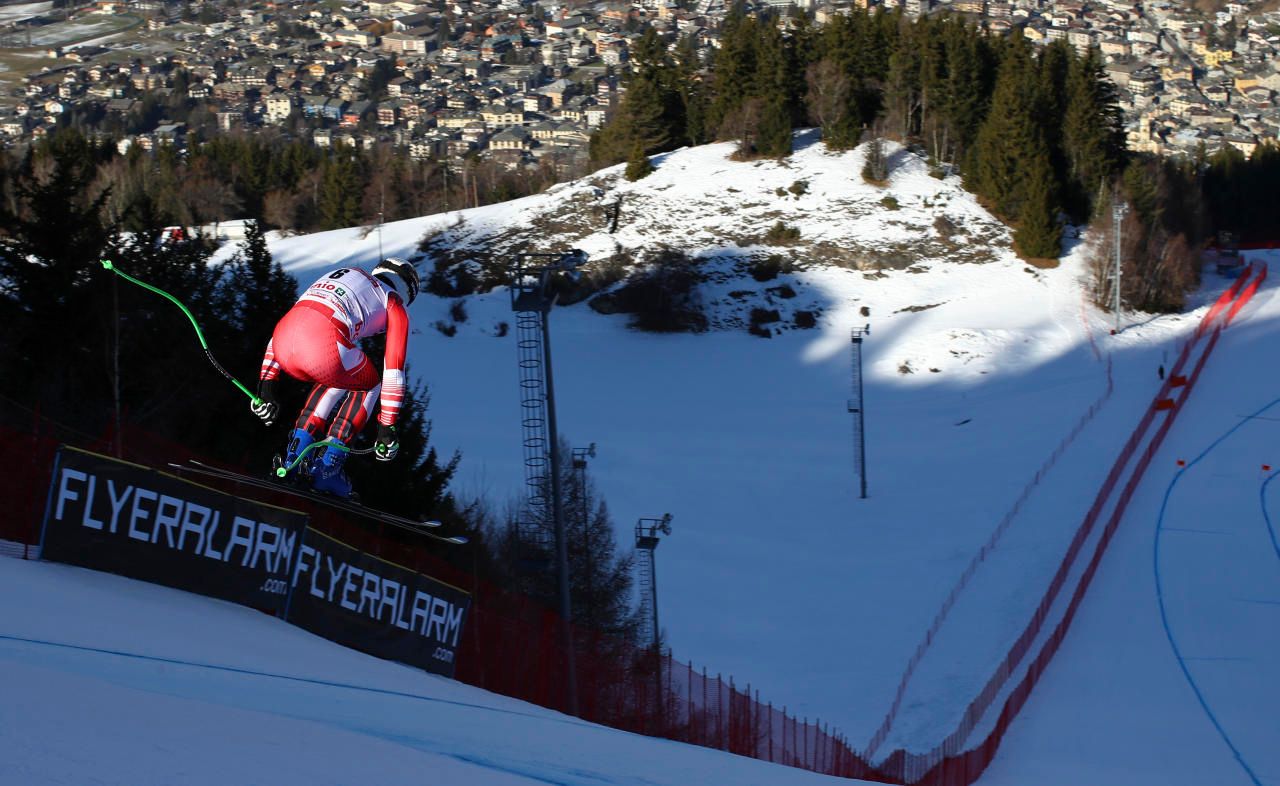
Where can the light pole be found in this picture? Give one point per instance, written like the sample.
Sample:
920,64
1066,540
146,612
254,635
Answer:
1118,212
532,300
858,409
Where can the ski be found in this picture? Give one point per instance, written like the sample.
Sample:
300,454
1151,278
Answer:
413,525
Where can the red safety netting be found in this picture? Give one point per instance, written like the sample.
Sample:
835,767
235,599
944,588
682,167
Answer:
950,763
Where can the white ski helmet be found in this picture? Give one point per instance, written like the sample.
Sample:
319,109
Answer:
400,275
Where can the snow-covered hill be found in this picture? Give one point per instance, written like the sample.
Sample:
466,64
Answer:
977,369
974,373
717,211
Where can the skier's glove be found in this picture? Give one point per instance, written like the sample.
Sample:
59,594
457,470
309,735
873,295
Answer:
265,407
266,410
388,445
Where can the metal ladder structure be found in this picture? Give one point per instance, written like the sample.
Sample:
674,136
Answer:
535,532
532,298
645,585
647,532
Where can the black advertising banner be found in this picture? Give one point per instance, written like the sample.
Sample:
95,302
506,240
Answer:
124,518
375,606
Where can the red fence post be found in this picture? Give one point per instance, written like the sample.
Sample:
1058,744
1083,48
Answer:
720,729
705,707
771,731
786,718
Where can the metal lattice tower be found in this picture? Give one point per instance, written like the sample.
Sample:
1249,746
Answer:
647,532
532,300
858,410
535,533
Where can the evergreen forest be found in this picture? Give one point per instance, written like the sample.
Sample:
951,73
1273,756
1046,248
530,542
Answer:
1036,132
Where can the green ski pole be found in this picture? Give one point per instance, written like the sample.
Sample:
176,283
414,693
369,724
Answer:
109,265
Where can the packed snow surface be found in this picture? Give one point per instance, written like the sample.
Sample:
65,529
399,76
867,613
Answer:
108,680
776,572
1170,674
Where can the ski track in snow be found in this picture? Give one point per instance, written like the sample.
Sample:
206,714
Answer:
1160,583
1168,673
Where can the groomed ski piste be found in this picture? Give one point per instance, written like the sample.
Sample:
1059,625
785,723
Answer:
776,573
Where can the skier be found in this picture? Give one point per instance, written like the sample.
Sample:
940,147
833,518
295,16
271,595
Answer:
317,342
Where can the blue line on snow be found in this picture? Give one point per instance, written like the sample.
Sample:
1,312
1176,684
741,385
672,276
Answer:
1271,530
1164,615
1258,600
579,776
291,678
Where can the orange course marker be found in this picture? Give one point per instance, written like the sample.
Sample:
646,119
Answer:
1181,463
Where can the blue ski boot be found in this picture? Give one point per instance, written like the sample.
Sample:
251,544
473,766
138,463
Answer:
299,441
327,475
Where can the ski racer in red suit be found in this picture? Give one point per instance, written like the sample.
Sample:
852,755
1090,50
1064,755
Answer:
317,341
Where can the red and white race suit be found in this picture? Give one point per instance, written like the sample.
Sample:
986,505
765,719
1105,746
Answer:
317,341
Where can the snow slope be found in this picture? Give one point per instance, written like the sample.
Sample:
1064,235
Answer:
776,573
1178,636
107,680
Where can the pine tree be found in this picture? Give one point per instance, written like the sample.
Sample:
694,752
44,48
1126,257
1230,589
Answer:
874,35
1092,133
1010,145
599,576
56,236
261,291
965,106
1053,66
735,69
773,136
340,191
638,165
51,285
932,81
692,92
902,90
652,114
1038,235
